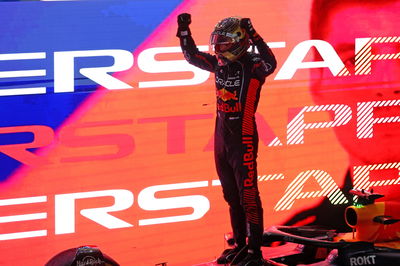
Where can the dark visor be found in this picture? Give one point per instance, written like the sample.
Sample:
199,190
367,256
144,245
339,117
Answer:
220,39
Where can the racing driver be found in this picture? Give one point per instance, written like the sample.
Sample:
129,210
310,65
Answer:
239,75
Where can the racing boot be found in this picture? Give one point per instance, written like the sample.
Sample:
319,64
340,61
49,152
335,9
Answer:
255,258
228,255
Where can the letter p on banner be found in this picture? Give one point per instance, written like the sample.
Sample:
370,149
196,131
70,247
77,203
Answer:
296,127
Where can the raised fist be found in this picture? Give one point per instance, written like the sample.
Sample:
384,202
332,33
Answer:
245,23
184,20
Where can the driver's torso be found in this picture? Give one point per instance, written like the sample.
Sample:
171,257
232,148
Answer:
237,93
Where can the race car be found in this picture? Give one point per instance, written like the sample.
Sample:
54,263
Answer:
375,239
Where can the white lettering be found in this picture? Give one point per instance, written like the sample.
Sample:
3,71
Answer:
294,62
366,120
362,176
329,189
148,63
23,217
364,56
147,201
65,209
228,83
65,204
64,69
296,127
362,260
22,73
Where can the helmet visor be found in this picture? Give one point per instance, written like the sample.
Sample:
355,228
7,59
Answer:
220,39
221,43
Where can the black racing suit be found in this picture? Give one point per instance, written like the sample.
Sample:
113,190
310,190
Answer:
238,85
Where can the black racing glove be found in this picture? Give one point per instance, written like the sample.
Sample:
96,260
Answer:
245,23
184,21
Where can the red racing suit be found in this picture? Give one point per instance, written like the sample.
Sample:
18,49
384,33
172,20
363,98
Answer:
238,85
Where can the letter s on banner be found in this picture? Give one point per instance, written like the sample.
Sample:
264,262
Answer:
147,201
148,63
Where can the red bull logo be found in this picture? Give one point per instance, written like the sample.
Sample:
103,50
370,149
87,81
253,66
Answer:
226,108
226,95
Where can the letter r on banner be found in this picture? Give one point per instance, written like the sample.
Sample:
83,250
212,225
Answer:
64,69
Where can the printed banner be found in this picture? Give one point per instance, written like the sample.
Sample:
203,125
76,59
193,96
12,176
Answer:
106,132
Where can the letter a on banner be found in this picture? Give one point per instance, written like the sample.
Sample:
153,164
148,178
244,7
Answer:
294,191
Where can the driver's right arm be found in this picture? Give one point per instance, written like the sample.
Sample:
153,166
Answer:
190,51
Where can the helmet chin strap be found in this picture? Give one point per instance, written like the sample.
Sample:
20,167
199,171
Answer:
253,47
